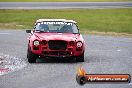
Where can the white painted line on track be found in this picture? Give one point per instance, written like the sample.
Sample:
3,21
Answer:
4,33
118,50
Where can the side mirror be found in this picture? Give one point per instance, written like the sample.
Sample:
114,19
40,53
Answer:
28,31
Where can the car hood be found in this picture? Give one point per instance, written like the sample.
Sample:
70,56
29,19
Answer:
57,36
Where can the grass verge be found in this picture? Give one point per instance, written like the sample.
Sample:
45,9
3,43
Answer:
99,20
63,0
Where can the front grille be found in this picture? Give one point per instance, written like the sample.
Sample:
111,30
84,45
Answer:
56,53
57,45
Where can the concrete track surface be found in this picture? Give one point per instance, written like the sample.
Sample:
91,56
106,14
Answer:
104,55
64,5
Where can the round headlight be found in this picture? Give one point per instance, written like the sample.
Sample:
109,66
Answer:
79,44
36,43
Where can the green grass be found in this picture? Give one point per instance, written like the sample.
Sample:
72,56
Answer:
63,0
99,20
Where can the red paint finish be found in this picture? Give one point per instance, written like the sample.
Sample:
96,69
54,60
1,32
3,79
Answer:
56,44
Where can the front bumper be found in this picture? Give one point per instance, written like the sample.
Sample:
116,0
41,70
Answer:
68,52
57,53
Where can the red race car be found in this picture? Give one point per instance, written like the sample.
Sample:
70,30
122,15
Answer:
55,38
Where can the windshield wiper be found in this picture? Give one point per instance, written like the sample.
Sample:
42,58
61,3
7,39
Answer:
76,33
59,32
39,31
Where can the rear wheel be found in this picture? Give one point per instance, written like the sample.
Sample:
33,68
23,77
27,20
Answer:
80,58
31,56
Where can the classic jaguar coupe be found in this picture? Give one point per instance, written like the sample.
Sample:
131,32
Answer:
55,38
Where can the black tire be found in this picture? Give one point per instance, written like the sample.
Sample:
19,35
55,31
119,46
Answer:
31,56
80,58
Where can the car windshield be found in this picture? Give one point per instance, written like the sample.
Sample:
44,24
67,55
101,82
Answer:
56,27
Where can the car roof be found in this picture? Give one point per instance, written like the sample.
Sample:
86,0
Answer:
64,20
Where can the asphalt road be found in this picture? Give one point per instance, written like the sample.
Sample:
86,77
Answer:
104,54
63,5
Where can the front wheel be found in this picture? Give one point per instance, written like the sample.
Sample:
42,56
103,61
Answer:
31,56
80,58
